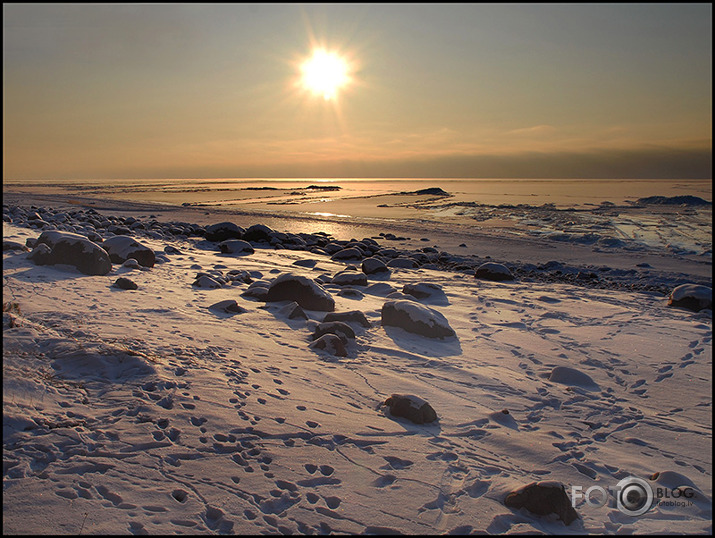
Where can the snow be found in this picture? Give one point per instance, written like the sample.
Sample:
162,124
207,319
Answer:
145,412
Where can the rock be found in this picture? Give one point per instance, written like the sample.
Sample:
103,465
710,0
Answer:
125,284
305,263
352,316
572,377
293,311
206,281
223,231
40,255
425,290
229,306
348,254
416,318
235,246
411,407
307,293
403,263
258,232
493,271
330,343
256,292
349,278
131,263
13,245
374,266
691,296
342,330
122,247
76,250
351,293
543,498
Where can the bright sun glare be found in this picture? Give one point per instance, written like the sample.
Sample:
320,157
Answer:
325,73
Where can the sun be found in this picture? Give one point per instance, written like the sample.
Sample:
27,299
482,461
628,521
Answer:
324,74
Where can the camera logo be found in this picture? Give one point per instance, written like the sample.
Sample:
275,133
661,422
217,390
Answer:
634,496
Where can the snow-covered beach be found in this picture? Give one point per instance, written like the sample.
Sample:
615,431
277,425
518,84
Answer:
153,410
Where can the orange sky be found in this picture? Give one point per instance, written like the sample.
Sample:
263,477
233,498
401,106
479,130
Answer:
461,90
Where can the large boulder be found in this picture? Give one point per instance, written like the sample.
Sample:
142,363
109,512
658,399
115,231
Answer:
76,250
307,293
416,318
493,271
691,296
411,407
222,231
543,498
122,247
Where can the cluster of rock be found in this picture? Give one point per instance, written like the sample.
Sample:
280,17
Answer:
375,259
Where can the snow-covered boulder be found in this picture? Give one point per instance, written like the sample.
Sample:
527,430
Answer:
338,328
349,278
691,296
426,290
416,318
493,271
411,407
74,249
307,293
228,306
330,343
235,246
543,498
122,247
572,377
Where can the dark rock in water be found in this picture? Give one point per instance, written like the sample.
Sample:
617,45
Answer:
307,293
223,231
330,343
493,271
543,498
121,247
74,249
343,330
293,311
235,246
433,191
230,306
355,316
125,284
257,232
416,318
411,407
673,200
692,296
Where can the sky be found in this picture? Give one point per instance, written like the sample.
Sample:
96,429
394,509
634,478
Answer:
93,91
